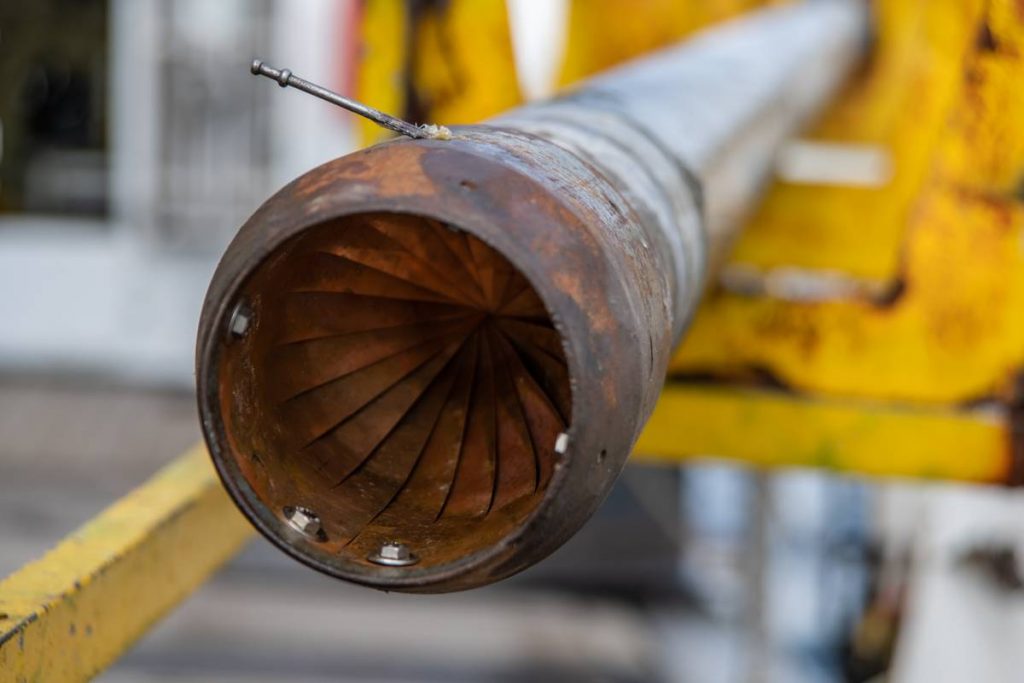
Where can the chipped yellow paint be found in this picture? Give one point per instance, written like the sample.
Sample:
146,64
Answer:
69,614
774,429
956,332
983,148
901,104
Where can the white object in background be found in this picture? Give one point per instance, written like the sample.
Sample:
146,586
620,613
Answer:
305,132
808,162
109,297
960,625
538,41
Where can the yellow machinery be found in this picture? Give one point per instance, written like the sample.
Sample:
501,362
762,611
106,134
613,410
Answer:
870,329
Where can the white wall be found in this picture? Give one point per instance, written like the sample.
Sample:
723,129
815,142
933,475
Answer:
108,299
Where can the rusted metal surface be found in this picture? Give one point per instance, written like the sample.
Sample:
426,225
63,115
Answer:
428,318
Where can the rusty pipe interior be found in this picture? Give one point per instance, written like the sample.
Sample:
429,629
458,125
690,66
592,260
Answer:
407,384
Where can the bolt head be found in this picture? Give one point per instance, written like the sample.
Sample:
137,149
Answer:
305,521
241,320
393,554
562,443
394,551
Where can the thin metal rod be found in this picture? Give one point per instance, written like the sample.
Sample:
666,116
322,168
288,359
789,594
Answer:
285,78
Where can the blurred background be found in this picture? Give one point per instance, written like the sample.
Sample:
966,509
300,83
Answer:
134,142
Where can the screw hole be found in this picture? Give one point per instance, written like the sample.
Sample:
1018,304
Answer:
468,184
602,455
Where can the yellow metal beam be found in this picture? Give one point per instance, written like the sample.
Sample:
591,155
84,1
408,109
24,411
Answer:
70,614
776,429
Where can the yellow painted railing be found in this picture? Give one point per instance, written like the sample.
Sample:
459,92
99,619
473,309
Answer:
68,615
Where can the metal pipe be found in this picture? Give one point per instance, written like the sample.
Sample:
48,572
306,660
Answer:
422,366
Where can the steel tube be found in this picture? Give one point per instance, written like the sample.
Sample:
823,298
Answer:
701,122
422,366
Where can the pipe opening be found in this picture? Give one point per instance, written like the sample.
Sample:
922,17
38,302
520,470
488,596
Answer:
401,382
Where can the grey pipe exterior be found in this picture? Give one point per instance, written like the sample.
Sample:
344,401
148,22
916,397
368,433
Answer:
690,133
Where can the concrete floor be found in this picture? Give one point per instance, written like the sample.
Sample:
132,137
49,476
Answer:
69,448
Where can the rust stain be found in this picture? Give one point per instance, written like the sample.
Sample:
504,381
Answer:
984,40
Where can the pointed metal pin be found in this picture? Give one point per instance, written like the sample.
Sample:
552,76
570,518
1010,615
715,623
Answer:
285,78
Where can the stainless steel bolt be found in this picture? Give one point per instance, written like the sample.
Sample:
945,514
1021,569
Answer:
393,554
305,521
241,319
